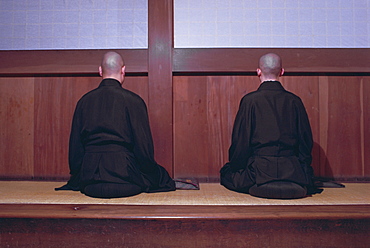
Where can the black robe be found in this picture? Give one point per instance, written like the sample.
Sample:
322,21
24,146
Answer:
271,140
111,141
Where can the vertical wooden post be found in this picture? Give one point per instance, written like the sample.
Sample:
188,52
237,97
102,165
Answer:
160,47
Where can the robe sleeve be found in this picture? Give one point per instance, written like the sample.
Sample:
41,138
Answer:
240,149
143,142
155,176
305,143
76,151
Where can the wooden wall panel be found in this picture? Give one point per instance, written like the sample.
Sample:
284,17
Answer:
190,127
204,113
16,127
36,115
55,100
205,108
223,98
341,118
138,85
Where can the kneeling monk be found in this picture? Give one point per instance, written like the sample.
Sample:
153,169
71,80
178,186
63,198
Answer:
111,149
270,154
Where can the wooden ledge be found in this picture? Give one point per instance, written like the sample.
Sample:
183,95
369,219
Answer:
110,225
129,212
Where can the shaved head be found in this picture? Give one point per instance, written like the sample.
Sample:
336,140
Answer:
270,65
112,66
112,63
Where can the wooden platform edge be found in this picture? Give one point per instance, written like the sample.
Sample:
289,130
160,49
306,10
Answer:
216,212
69,225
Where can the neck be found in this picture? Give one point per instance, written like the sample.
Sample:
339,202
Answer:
263,79
113,77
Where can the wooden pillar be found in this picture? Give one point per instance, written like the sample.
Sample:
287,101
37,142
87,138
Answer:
160,47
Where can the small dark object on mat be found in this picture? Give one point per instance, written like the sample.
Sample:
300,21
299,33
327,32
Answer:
64,187
325,183
187,183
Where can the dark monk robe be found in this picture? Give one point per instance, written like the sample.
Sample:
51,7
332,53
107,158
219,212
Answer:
271,145
111,148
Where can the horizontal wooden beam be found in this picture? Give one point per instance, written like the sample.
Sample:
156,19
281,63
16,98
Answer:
66,61
191,60
109,211
304,60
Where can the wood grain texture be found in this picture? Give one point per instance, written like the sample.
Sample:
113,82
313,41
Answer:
36,120
156,212
205,108
294,59
204,113
16,126
354,60
190,127
160,45
184,232
44,225
55,101
34,110
343,122
138,85
365,135
323,95
66,61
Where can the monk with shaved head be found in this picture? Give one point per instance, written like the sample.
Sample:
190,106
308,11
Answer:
113,66
270,152
270,65
111,150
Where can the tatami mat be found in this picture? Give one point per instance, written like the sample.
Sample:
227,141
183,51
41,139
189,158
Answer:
30,192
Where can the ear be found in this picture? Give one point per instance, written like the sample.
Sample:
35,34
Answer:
100,71
123,70
259,72
281,72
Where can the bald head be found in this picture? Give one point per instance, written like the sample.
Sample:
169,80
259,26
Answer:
270,66
112,66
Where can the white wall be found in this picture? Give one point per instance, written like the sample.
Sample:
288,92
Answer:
272,23
73,24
